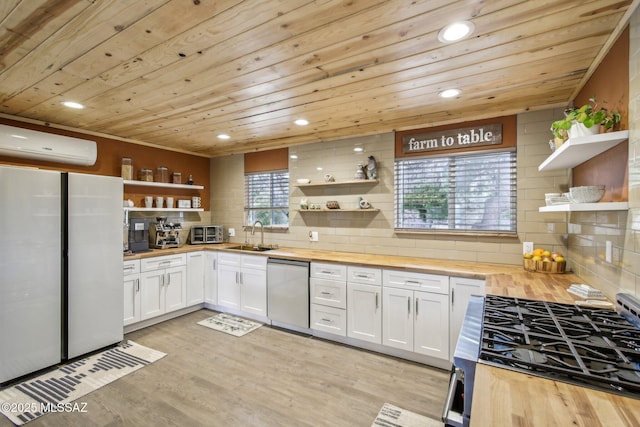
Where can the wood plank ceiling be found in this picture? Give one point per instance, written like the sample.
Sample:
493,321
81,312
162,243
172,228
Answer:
176,73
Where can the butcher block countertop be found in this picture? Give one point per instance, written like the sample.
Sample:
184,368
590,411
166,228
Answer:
501,279
506,398
501,397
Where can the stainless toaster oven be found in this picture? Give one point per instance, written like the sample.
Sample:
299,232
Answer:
204,234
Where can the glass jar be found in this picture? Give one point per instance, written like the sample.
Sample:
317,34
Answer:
162,174
146,175
127,169
177,178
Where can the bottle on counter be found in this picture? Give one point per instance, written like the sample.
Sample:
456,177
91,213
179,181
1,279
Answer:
190,181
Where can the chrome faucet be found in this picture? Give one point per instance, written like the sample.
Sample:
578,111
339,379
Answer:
253,231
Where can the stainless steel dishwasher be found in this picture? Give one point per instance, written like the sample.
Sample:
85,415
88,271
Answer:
288,294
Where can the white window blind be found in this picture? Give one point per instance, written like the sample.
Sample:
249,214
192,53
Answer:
267,198
462,193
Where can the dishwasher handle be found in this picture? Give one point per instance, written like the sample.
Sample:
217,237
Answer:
288,262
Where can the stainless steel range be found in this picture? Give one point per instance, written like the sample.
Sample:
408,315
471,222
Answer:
591,347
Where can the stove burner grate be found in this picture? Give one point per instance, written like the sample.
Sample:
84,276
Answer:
593,347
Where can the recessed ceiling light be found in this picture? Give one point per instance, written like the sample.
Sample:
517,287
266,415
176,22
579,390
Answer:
223,136
358,149
456,31
319,168
449,93
72,104
293,156
301,122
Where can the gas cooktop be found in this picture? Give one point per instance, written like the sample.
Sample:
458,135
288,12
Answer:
591,347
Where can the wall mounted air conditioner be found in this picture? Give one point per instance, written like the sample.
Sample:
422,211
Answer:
31,144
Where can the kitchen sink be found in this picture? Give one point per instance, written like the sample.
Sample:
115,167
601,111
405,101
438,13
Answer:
250,248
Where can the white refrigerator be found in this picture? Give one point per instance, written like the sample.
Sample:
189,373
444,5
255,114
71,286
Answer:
60,267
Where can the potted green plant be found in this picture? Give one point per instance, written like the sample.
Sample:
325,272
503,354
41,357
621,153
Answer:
585,120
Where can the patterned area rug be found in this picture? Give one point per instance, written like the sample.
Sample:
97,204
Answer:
392,416
56,391
236,326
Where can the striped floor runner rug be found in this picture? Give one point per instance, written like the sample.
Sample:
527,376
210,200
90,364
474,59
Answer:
57,390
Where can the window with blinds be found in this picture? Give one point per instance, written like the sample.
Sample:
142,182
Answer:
267,198
461,193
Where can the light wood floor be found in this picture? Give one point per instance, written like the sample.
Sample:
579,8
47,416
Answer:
269,377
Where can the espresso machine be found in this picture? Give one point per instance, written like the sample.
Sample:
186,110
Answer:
138,235
164,234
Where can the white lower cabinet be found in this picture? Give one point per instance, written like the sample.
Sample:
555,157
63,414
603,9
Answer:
162,285
211,278
195,277
131,291
328,294
416,312
364,304
242,282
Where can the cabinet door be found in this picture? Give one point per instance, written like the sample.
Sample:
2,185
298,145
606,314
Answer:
461,290
364,313
397,318
228,286
175,288
211,278
253,290
195,278
431,324
131,299
151,294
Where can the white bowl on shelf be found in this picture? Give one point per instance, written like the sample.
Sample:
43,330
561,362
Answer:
586,193
303,181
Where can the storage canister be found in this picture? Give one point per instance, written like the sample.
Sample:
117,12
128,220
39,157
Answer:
146,175
177,178
162,174
127,169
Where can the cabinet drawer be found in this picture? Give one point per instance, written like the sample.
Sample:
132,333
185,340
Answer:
131,267
416,281
364,275
254,261
323,270
329,292
329,319
167,261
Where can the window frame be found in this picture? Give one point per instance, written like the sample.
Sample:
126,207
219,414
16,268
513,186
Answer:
249,207
401,225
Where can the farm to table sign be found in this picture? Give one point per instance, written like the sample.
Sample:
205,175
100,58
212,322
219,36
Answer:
489,134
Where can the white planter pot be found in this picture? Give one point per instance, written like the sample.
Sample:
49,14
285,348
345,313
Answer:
578,129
